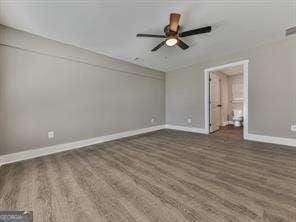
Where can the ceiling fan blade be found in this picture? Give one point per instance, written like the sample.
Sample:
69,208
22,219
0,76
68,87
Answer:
158,46
182,44
196,31
174,22
151,35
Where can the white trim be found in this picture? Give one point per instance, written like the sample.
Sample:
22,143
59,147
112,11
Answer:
226,123
245,64
186,128
271,139
252,137
33,153
246,98
207,101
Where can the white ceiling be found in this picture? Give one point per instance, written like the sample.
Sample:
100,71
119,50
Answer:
110,27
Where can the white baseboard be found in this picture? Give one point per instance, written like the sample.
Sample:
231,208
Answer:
227,123
253,137
224,123
33,153
187,129
271,139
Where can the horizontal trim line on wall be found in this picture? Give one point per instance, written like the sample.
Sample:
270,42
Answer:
83,62
271,139
186,128
33,153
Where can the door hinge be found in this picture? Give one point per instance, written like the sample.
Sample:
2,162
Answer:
210,79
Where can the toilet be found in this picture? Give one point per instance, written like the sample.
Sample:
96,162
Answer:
237,117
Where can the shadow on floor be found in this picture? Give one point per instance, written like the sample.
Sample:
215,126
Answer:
229,132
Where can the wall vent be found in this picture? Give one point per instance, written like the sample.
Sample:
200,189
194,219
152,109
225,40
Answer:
291,31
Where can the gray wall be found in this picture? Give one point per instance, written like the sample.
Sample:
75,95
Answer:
272,91
46,85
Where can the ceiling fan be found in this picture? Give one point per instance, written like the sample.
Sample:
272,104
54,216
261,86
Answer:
172,36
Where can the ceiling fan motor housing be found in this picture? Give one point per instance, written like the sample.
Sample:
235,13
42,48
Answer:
169,32
172,33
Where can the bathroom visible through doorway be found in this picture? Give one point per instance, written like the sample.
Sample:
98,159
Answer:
227,104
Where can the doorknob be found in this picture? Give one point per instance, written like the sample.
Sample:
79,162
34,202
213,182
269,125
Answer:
219,105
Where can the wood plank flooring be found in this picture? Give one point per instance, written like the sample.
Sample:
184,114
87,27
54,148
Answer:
163,176
230,132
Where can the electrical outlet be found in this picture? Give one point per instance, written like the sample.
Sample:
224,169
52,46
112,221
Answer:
152,120
50,135
189,120
293,128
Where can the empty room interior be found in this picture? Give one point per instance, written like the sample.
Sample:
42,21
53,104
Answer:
145,111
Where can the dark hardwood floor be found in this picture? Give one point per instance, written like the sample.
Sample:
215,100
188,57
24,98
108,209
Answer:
162,176
229,132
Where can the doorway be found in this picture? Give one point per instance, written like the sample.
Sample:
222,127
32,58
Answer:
226,100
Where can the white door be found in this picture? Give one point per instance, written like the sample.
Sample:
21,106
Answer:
215,102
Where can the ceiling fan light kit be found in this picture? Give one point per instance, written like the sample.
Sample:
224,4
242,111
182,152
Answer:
172,35
171,41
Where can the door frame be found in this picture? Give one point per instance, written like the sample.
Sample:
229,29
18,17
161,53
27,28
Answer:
245,64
